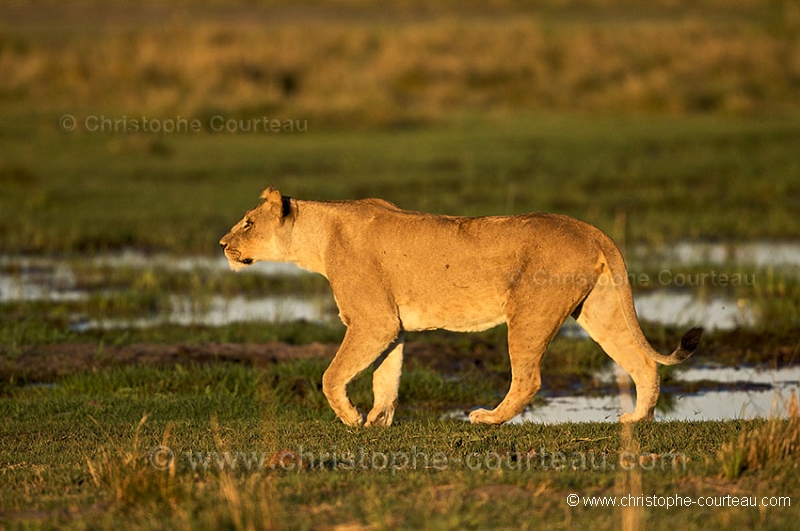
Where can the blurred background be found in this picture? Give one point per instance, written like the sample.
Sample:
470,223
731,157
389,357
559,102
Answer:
142,124
135,133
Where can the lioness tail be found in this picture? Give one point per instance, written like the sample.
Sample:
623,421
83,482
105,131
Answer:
688,345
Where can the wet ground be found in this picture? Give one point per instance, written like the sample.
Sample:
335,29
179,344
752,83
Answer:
696,392
668,297
699,391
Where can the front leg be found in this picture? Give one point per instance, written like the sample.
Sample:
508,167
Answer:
361,347
385,384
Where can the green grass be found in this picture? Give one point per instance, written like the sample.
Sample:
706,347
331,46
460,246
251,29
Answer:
658,123
674,120
102,456
650,180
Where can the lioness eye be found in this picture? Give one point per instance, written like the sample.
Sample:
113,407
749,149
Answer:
247,224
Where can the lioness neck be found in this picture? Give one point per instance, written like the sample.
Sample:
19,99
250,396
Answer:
310,234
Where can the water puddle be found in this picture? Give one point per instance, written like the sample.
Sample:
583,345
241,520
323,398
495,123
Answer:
26,279
684,310
37,280
219,311
45,279
722,394
753,255
715,393
136,260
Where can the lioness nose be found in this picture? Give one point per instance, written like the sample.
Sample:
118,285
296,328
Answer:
223,245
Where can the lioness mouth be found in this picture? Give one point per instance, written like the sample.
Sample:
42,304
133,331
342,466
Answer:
246,261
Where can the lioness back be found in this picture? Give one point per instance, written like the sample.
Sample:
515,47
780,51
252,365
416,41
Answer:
457,273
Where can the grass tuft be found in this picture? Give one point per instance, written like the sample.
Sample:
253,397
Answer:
774,444
129,476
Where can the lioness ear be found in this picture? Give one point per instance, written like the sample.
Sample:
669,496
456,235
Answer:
276,203
271,194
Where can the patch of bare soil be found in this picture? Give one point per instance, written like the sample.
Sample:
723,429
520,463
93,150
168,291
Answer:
47,363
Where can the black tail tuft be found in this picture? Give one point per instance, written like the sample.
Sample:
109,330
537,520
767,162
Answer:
691,339
688,345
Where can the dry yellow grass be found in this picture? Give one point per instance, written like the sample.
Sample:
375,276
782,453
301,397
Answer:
381,69
776,443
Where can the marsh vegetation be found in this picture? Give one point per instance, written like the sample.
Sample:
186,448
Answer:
134,134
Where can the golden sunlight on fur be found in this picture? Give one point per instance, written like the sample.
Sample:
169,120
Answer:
393,270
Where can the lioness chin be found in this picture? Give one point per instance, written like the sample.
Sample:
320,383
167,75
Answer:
392,270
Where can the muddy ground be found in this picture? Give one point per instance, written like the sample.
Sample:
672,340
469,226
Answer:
42,364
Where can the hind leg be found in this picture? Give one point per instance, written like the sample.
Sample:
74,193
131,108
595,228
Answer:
605,323
528,337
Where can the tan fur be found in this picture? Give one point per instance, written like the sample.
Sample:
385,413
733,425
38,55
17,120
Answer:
393,270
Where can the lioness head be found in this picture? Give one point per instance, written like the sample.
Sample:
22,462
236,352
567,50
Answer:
262,234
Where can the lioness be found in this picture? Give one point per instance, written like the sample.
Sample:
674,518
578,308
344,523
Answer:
393,270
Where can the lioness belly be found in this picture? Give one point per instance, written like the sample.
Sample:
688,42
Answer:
461,293
459,316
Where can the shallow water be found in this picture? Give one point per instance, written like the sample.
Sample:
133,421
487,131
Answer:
219,311
136,260
45,279
37,280
728,393
709,405
685,310
754,254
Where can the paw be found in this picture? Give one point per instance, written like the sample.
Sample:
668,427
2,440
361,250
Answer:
627,417
353,418
481,416
634,417
380,417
